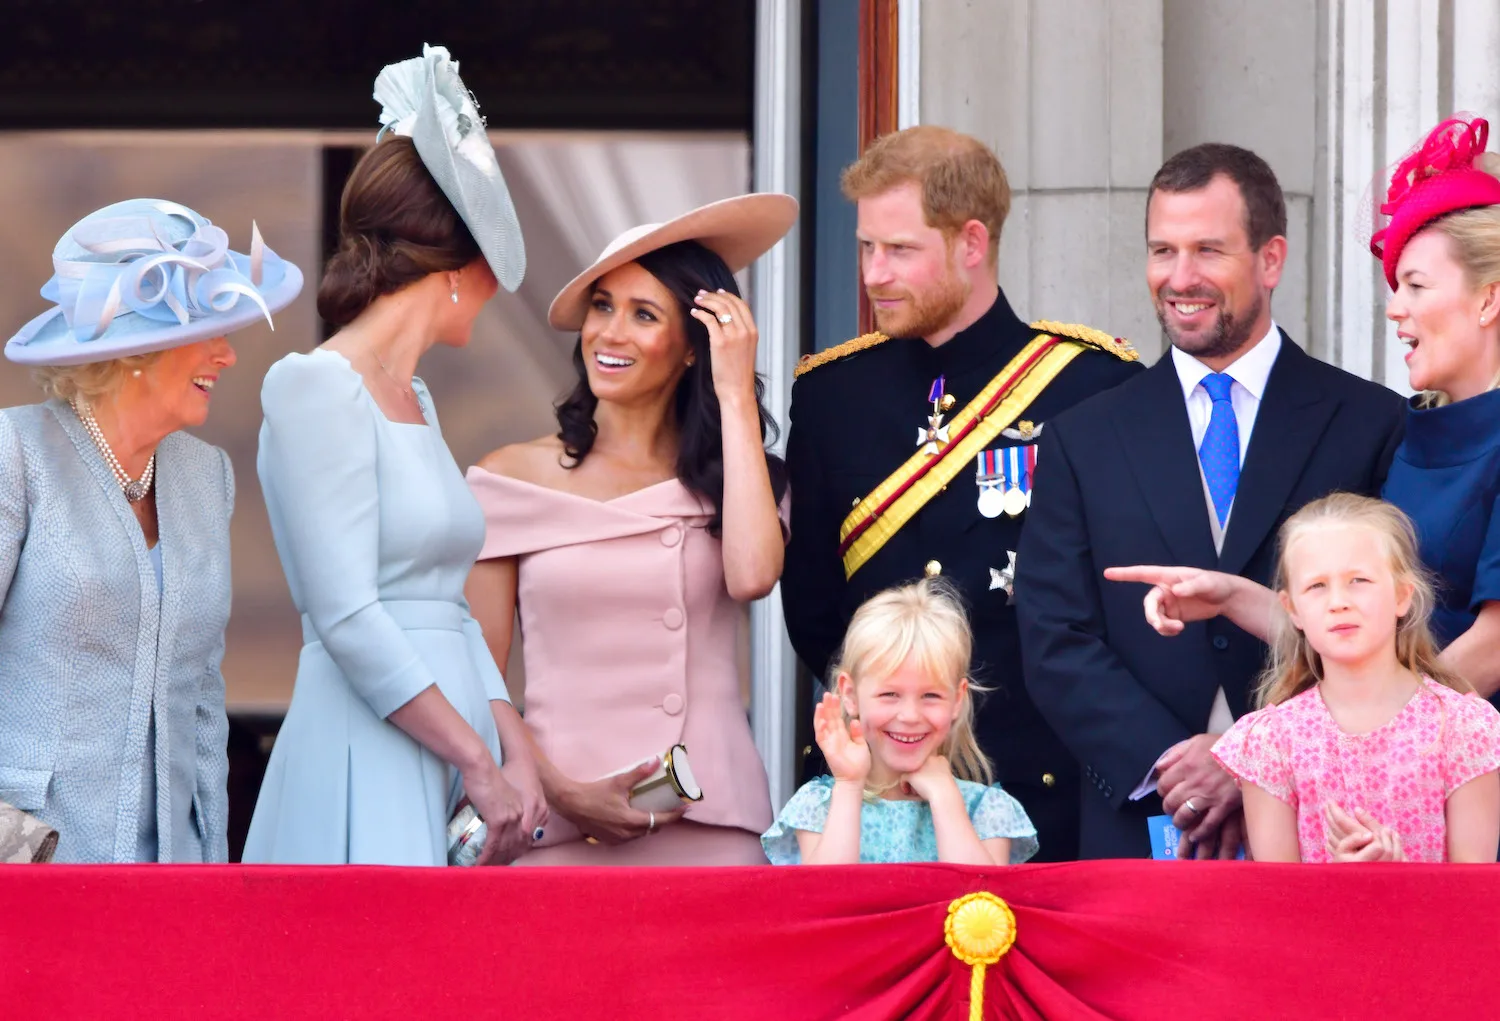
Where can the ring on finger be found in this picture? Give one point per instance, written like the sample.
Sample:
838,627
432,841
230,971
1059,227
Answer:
1188,804
725,318
651,822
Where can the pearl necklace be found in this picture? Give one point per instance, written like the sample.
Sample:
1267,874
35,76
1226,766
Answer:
135,491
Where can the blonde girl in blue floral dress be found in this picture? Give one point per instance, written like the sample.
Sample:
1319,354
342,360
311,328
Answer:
909,782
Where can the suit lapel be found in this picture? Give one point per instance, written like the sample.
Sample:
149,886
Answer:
1158,441
1292,417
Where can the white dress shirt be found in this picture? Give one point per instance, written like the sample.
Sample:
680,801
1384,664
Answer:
1250,372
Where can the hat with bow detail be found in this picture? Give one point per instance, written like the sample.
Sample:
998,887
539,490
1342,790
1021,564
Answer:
145,275
1437,177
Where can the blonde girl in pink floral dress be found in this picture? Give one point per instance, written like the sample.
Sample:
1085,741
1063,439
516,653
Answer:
1367,749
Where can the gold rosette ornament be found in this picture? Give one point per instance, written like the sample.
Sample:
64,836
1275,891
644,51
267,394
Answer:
980,929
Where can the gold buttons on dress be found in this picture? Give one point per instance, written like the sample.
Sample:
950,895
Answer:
1048,780
933,569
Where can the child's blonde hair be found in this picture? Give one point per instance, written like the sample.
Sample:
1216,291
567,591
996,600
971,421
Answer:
925,619
1294,665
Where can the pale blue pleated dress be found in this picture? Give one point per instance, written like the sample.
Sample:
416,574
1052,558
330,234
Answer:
377,531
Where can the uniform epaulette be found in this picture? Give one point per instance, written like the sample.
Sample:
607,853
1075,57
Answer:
809,362
1117,346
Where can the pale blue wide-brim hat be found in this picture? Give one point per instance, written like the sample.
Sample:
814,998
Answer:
145,275
424,99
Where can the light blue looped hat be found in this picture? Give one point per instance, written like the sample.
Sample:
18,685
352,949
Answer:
424,99
145,275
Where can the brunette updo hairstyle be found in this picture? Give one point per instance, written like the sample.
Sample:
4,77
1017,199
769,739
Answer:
395,227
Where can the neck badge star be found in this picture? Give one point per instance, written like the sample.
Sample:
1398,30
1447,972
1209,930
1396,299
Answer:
935,433
1005,579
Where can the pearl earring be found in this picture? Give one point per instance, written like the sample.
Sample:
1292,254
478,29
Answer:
136,373
455,295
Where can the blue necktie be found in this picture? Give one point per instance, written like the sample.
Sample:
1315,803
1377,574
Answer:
1219,453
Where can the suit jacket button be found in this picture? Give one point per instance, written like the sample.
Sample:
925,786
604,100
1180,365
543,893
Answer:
672,704
1220,642
1109,791
1048,780
672,618
933,569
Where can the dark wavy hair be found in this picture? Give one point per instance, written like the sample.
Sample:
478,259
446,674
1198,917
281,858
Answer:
395,227
683,268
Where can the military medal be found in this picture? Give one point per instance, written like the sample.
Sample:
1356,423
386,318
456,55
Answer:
936,432
1030,472
1015,491
1022,432
990,478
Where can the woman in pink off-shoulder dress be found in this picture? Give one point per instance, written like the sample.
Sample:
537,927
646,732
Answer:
628,541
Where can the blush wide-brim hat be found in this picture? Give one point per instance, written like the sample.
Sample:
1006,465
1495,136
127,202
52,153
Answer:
738,230
146,275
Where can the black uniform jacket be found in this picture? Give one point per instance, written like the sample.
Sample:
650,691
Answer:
1122,486
854,421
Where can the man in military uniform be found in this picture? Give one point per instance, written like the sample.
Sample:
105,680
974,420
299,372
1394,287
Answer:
913,455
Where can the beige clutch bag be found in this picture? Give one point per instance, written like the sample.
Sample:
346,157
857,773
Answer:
24,839
671,786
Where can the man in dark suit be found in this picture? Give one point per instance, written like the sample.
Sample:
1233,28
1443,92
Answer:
1195,462
887,484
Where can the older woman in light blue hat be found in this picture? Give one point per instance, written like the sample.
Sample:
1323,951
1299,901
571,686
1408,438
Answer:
114,536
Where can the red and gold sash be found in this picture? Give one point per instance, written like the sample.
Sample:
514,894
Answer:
897,499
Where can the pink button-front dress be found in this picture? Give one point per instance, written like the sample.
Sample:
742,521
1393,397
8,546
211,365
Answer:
1401,773
629,648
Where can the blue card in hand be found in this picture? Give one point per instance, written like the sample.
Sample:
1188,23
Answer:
1165,837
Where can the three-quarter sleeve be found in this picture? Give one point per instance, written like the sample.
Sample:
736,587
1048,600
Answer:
318,470
484,660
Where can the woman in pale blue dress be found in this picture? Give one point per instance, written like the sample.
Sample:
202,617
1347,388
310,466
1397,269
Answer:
399,711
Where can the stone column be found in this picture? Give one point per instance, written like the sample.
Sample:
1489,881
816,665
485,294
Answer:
775,302
1247,74
1069,94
